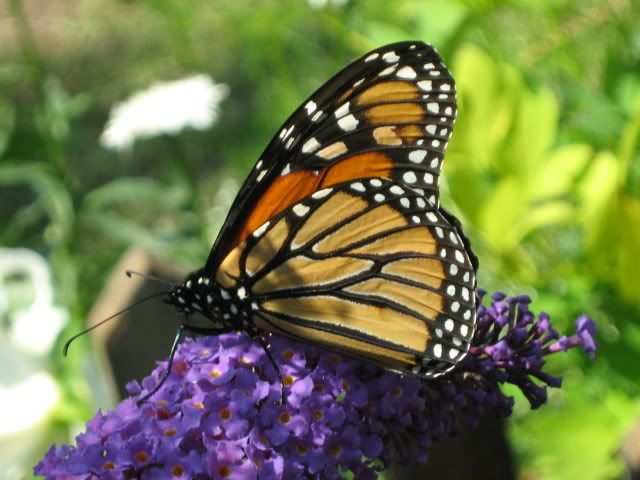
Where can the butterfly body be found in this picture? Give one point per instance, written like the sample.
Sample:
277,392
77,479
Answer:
337,236
229,310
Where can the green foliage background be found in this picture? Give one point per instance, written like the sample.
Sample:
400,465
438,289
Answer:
543,168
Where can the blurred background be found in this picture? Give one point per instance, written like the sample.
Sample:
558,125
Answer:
132,123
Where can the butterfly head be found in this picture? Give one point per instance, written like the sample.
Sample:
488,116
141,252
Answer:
193,295
227,308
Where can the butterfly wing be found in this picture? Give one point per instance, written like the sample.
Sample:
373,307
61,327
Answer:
389,114
368,267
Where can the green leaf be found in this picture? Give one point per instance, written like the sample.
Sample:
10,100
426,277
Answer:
598,196
629,139
135,189
59,108
545,215
628,92
383,33
502,211
532,134
628,248
124,231
570,439
559,172
7,121
487,97
468,189
53,194
438,22
22,219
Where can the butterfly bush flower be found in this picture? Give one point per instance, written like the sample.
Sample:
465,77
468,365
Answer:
220,416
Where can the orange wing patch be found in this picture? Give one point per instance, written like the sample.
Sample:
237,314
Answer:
409,133
282,193
267,247
303,271
388,92
387,136
425,302
395,113
371,223
336,209
331,340
412,240
229,269
332,151
327,310
396,134
427,271
361,165
287,190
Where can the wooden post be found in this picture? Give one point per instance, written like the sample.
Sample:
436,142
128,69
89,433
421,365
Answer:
129,346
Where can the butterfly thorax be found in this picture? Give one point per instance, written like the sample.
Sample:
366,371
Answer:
229,309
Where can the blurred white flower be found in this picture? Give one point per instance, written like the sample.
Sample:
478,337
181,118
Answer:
32,329
323,3
164,108
27,403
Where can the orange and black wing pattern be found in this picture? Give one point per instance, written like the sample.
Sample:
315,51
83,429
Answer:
337,236
387,115
366,267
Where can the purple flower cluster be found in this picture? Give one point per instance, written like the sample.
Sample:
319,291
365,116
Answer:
219,415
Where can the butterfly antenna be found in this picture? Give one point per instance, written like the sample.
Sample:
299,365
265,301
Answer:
65,349
265,347
131,273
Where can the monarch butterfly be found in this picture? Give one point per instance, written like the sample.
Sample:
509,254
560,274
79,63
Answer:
337,237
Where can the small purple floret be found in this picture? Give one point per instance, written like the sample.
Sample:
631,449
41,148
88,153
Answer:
219,414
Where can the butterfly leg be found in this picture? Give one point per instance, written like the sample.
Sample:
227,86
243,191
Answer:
267,352
259,339
209,331
174,347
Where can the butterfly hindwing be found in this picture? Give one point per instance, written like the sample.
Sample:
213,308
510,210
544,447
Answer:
368,267
389,114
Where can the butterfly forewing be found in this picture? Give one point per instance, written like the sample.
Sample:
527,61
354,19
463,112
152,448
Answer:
389,114
368,267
